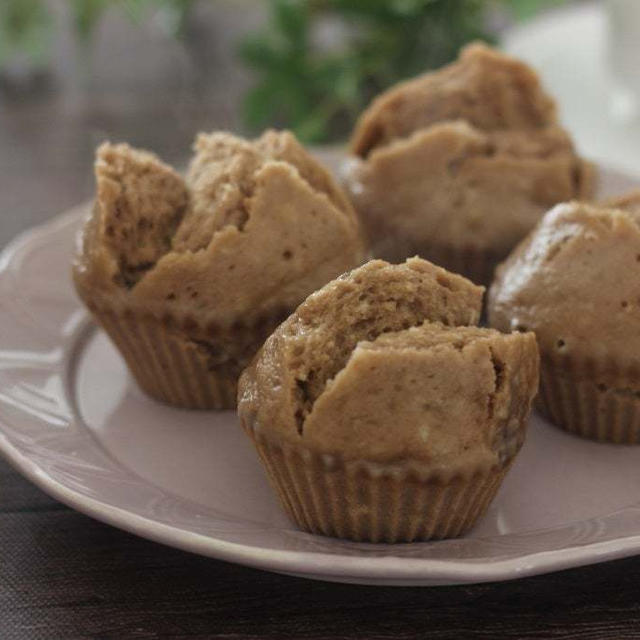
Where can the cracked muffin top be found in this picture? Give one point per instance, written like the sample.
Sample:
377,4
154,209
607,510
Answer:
454,184
487,89
378,365
253,226
470,155
573,281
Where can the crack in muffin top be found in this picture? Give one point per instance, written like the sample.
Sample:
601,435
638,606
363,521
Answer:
489,90
462,160
154,232
314,344
381,365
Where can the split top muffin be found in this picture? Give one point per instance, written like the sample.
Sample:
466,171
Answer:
375,406
573,281
459,164
189,275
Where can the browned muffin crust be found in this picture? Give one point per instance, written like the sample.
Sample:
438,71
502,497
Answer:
377,416
454,398
215,260
369,368
140,202
459,164
573,282
452,185
315,342
487,89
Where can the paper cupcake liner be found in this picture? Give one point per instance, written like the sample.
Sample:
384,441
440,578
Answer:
173,368
367,502
165,366
471,262
573,398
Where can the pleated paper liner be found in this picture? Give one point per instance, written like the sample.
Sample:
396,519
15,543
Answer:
364,502
574,396
475,263
172,367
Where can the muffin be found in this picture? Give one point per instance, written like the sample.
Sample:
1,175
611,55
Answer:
574,282
379,414
188,276
458,165
629,202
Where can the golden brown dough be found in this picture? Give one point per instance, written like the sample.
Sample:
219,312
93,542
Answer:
459,164
573,281
205,267
376,380
487,89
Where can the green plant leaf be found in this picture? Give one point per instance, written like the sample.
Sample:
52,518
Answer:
525,9
25,27
86,15
319,92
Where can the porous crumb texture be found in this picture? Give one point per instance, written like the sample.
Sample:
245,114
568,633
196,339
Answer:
221,180
140,202
284,147
374,300
216,259
459,164
314,344
487,89
458,397
572,282
223,176
372,349
379,415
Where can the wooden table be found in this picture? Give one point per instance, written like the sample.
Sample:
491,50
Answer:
63,575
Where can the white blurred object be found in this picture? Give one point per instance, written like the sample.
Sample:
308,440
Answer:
588,56
623,37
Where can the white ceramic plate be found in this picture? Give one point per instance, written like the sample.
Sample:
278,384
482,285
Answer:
74,423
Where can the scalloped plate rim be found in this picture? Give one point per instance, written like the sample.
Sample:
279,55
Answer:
365,570
382,570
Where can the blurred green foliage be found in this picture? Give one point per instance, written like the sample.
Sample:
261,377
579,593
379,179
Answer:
525,9
25,30
174,12
316,63
86,14
26,25
318,91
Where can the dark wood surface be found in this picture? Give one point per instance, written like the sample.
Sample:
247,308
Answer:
63,575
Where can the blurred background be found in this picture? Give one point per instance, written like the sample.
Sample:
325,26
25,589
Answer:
154,72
